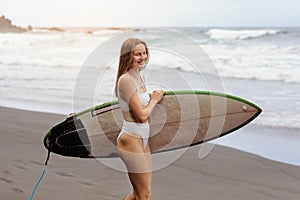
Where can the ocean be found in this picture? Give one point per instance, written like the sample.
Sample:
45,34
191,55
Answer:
43,70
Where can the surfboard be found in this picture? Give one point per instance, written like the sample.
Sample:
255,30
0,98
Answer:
181,119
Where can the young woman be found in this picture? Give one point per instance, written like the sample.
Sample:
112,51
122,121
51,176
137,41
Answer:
136,107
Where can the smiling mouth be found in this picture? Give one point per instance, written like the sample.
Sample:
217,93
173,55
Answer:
141,62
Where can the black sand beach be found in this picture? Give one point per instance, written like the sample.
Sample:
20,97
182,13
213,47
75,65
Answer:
224,174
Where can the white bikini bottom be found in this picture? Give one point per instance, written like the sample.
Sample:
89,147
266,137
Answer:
142,129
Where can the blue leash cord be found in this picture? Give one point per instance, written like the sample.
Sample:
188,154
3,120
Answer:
37,184
41,177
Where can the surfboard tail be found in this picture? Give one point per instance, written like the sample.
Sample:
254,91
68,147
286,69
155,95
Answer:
68,138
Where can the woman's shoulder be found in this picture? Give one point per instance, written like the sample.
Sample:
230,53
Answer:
125,78
126,81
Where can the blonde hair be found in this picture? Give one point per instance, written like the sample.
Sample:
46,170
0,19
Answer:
126,54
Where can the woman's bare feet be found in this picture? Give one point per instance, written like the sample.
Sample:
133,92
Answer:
130,197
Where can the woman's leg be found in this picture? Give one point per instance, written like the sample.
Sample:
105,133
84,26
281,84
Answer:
138,163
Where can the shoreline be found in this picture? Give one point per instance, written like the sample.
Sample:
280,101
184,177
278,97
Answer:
225,173
273,143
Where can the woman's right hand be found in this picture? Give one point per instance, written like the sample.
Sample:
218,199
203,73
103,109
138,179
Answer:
157,95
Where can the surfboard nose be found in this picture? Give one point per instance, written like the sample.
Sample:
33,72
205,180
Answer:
247,106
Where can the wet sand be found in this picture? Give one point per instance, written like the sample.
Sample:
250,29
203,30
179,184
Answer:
224,174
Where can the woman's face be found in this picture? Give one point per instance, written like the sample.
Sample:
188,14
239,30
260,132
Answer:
139,56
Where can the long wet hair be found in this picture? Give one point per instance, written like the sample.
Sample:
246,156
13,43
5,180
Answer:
126,57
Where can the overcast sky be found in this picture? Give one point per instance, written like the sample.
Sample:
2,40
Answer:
152,12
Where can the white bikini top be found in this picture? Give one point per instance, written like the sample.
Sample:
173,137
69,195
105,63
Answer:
144,97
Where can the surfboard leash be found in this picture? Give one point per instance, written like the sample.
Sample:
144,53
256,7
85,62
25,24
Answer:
42,175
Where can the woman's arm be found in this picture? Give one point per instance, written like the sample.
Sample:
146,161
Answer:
129,93
142,113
